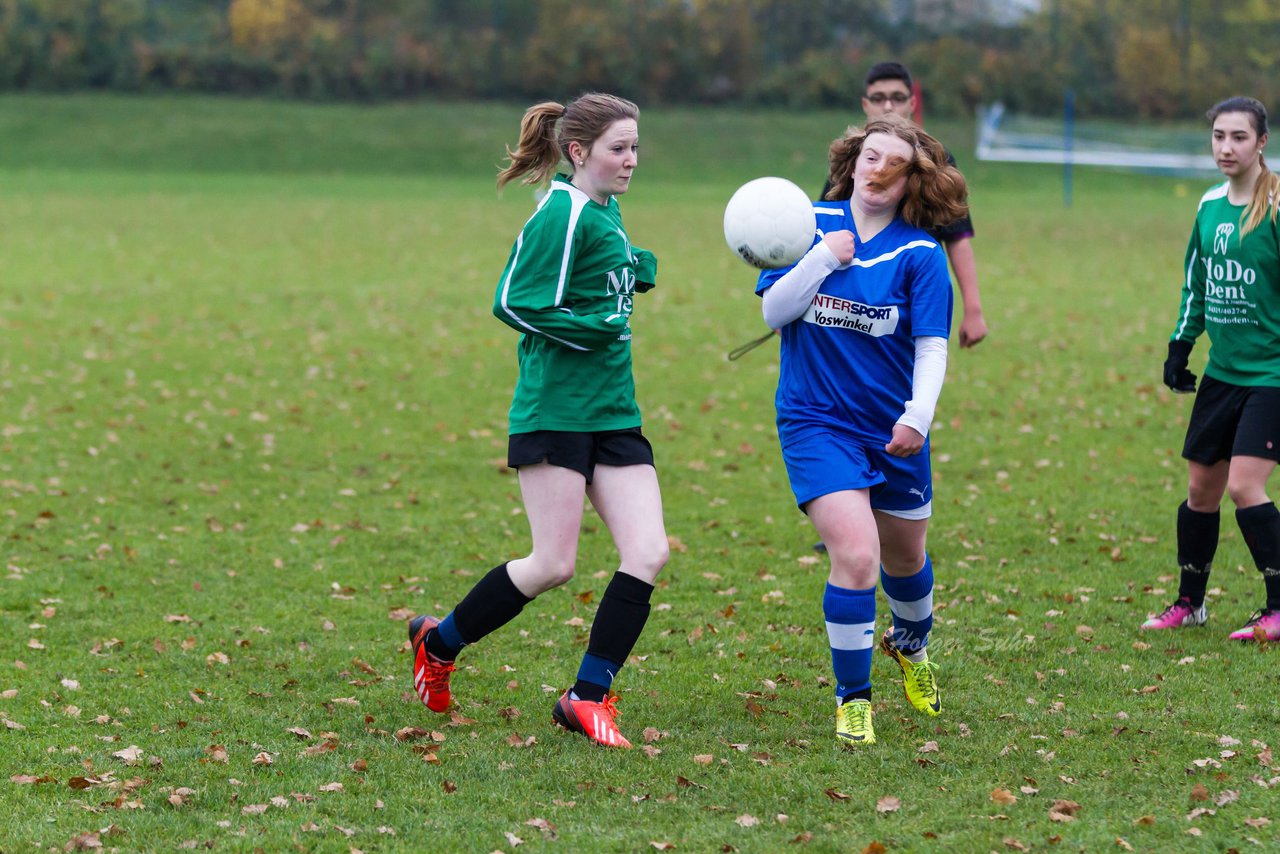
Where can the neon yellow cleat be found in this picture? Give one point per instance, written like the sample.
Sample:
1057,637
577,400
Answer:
918,681
853,723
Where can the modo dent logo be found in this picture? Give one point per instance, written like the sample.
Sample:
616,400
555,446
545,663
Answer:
1222,237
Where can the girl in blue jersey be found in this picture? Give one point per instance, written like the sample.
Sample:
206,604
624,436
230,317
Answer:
864,319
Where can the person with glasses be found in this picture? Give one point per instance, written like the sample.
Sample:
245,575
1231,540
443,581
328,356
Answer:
887,90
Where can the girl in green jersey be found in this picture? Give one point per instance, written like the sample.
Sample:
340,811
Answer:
569,287
1231,291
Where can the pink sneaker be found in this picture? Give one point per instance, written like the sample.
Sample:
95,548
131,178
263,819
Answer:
1262,626
1180,613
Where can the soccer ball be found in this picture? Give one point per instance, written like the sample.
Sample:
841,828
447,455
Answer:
769,222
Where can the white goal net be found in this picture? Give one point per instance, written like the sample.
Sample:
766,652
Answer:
1007,137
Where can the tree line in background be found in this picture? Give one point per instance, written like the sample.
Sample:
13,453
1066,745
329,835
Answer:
1149,58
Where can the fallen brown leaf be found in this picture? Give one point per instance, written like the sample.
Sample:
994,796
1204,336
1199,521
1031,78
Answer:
130,755
30,779
1003,797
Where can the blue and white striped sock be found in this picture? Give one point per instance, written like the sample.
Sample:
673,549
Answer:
911,601
851,630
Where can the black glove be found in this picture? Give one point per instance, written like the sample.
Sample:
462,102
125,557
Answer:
1176,375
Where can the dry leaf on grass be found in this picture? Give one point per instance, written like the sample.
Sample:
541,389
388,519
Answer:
889,803
1003,797
131,755
30,779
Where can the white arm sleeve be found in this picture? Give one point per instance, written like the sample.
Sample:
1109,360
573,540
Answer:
926,383
790,296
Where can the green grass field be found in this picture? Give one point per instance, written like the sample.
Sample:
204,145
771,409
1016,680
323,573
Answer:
252,414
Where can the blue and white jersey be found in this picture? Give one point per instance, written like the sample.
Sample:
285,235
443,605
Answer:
847,362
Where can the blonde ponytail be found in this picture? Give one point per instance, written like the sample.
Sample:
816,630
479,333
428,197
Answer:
1265,201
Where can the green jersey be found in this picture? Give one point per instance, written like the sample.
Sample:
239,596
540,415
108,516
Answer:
1232,291
568,287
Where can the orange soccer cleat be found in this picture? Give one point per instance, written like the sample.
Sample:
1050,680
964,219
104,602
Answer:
430,674
594,720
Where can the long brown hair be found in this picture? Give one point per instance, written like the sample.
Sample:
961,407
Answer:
936,191
1266,192
540,149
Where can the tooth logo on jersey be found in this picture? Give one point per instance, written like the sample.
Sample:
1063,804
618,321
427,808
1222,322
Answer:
873,320
1222,237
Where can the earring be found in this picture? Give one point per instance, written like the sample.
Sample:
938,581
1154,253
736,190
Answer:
580,162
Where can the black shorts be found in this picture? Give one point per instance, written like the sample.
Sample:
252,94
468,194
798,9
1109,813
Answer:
581,452
1233,421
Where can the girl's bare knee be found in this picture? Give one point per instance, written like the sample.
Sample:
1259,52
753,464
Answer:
1247,493
648,563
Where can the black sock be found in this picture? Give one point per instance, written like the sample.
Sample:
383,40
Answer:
1197,544
864,694
623,611
491,604
1260,526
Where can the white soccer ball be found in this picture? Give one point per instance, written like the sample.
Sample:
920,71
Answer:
769,223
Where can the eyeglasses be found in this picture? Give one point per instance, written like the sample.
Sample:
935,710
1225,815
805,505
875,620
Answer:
896,97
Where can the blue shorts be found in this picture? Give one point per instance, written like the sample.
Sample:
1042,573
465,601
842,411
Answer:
823,463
